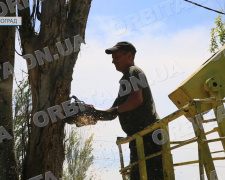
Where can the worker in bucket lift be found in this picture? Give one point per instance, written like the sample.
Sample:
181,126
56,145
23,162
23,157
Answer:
135,108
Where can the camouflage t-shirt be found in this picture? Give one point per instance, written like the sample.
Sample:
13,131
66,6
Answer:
143,116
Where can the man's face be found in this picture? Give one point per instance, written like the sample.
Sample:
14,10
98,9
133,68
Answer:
120,60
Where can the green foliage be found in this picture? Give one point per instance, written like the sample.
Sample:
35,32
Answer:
217,35
78,157
22,111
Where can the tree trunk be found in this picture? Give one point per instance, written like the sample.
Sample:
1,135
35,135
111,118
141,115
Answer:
8,166
50,82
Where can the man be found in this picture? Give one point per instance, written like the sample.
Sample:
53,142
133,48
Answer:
136,109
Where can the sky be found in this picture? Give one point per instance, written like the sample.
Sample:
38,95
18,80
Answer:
172,39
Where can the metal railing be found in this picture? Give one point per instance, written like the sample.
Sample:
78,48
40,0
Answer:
191,110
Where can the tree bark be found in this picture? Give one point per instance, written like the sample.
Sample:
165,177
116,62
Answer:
8,165
50,82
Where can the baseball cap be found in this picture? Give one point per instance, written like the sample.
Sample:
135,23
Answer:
124,45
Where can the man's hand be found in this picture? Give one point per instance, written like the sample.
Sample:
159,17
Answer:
89,115
113,111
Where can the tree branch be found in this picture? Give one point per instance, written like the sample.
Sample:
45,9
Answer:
79,10
27,29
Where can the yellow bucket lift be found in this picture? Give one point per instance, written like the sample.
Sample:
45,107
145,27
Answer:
202,91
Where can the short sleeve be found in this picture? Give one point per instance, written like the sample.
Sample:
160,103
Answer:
137,78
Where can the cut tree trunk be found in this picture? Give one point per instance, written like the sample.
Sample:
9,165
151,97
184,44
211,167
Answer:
50,82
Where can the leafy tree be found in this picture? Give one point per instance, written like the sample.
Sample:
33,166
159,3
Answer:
217,34
78,157
22,120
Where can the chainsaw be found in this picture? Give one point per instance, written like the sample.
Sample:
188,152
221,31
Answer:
87,114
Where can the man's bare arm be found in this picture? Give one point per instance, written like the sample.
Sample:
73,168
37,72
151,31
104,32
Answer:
134,100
